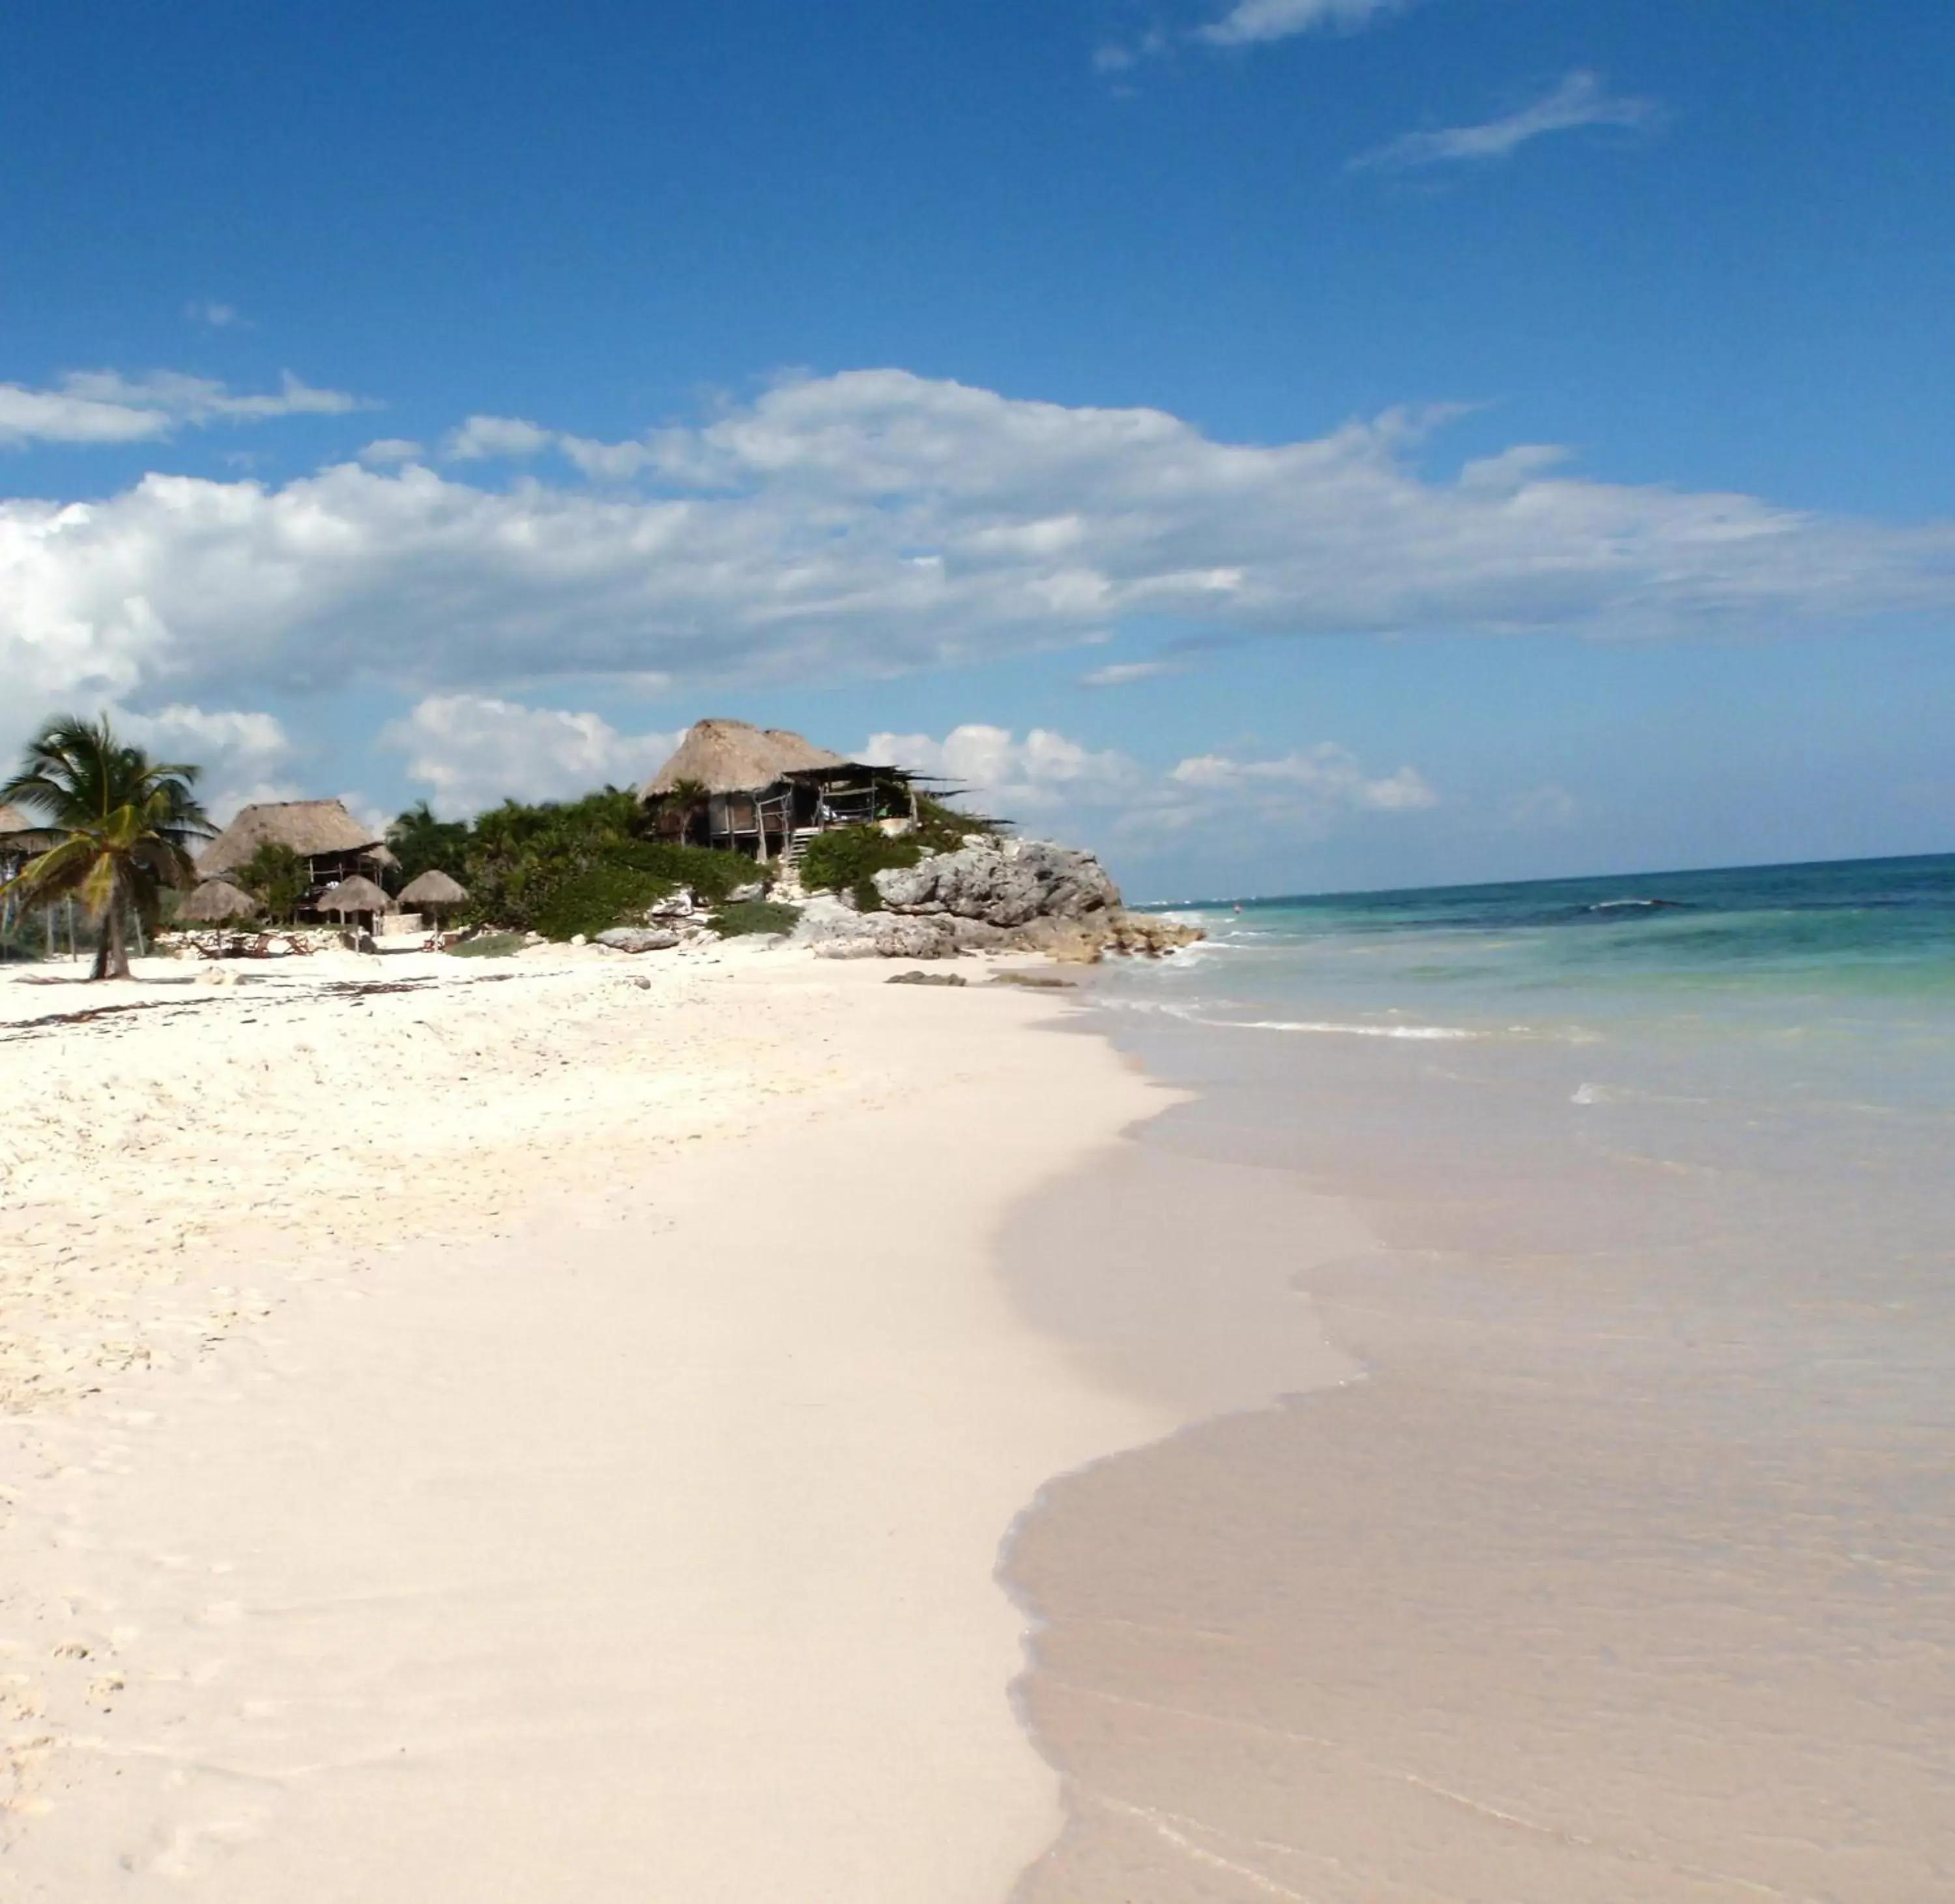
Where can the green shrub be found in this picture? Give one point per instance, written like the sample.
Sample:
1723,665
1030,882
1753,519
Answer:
277,878
752,916
940,829
562,867
602,895
847,859
711,875
491,945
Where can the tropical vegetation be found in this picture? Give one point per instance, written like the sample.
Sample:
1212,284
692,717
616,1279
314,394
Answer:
563,867
277,878
124,826
847,860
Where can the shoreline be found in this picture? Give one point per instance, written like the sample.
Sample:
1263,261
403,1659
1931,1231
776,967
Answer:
1619,1573
656,1550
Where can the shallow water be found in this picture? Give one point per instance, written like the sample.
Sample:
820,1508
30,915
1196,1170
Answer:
1628,1570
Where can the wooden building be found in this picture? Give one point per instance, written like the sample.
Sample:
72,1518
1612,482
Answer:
334,845
764,790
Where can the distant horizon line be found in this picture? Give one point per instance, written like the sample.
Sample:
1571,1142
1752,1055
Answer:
1553,879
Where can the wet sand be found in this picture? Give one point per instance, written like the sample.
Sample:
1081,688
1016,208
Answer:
1623,1571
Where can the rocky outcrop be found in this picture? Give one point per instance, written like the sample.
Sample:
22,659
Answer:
991,895
1003,882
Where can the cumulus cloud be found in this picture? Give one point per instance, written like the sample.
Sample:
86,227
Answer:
514,439
482,437
1008,776
876,521
1581,99
244,753
1308,791
471,751
104,407
1250,22
386,450
1327,776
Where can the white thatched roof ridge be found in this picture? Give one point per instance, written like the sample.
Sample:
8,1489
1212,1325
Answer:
309,827
736,757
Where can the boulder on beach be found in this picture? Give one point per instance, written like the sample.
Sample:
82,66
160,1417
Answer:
1003,882
991,895
639,938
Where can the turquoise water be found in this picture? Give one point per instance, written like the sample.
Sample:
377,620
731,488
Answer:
1877,929
1641,1524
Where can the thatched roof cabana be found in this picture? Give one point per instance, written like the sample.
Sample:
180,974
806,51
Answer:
214,902
767,788
21,835
736,757
355,895
433,888
317,830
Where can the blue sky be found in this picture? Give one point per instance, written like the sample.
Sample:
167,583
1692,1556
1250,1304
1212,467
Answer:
1289,444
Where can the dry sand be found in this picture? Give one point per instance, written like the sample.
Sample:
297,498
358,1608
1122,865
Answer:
529,1435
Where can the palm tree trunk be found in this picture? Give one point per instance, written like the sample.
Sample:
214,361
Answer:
112,952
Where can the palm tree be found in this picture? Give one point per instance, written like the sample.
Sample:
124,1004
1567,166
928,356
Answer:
685,800
125,823
422,843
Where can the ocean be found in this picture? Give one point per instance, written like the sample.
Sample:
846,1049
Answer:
1603,1545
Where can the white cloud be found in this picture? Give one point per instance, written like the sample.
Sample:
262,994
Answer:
219,317
243,753
1046,775
472,751
1325,776
514,439
876,521
482,437
1581,99
104,407
1007,776
386,451
1249,22
1119,674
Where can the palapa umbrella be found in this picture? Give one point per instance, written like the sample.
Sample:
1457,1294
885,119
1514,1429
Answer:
215,902
431,892
358,895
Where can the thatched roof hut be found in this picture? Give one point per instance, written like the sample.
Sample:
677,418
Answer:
736,757
317,830
433,888
215,902
767,790
355,895
353,898
21,834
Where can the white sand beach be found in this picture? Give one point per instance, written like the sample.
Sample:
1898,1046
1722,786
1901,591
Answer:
522,1433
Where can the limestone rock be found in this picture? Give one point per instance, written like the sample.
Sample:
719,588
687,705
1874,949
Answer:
1002,882
927,978
1150,934
639,938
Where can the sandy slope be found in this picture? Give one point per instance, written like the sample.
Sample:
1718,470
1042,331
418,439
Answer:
529,1436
